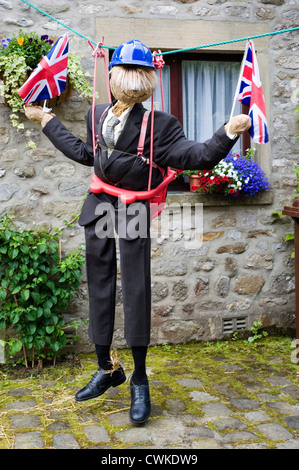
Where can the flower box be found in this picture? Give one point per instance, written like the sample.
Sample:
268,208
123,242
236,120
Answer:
233,176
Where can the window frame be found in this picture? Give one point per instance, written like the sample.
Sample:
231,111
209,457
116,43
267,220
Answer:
174,61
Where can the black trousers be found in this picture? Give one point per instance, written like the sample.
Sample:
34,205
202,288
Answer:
101,265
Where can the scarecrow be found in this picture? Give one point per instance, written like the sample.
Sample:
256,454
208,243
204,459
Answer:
116,162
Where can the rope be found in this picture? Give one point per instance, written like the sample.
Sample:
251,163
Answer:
64,25
231,41
174,51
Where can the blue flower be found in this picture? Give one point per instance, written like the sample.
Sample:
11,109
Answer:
250,172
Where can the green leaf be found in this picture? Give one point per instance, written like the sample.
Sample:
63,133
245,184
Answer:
15,346
16,290
2,294
25,294
25,249
50,329
289,236
31,327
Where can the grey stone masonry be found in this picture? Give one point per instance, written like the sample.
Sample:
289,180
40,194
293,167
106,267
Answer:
239,269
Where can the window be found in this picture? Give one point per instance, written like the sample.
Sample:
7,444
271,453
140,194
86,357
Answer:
199,90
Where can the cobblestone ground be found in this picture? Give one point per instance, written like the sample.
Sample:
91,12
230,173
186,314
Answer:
225,395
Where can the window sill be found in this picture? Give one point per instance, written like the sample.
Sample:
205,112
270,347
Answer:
265,197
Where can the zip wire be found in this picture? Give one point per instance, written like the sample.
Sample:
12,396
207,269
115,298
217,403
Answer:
174,51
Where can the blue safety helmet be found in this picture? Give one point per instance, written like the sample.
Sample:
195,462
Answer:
132,53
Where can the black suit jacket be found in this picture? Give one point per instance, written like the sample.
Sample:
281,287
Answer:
171,149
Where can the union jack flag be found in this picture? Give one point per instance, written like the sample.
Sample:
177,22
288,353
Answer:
49,77
251,93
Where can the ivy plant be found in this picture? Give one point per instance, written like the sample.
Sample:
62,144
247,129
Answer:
36,286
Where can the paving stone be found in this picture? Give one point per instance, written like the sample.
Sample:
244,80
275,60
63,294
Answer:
292,421
97,433
231,367
225,423
59,426
290,444
267,396
244,403
29,440
24,421
196,432
190,420
252,446
175,405
216,410
65,440
255,386
133,435
274,431
239,436
292,391
202,396
192,383
169,431
20,405
278,381
281,406
255,416
19,392
119,419
206,444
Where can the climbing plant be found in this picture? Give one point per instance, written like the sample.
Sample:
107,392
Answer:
36,286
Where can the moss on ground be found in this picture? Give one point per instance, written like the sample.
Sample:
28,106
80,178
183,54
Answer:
234,366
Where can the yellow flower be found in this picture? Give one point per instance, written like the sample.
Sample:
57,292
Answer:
20,41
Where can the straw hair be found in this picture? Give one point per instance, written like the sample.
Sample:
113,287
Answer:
132,84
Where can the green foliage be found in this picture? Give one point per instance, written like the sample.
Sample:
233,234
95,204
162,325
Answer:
255,331
36,286
18,58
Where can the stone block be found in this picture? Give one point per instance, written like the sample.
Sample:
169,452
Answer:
10,155
223,221
202,286
233,249
249,284
59,169
179,290
222,286
25,172
255,261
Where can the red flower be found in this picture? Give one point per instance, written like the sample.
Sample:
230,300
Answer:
231,191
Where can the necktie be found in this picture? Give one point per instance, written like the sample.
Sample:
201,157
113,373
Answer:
109,132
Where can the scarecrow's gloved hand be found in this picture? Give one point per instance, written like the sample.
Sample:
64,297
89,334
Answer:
238,124
36,114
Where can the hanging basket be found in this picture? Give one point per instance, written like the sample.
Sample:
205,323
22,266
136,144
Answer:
53,101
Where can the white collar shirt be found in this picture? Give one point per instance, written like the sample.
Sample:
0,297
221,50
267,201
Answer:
119,127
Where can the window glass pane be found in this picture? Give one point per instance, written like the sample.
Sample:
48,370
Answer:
157,94
208,92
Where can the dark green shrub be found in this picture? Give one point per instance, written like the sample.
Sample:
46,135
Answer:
36,286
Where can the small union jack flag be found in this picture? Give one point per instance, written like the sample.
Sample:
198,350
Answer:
251,93
49,77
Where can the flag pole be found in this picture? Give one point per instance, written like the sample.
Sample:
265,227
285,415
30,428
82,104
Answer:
238,84
45,108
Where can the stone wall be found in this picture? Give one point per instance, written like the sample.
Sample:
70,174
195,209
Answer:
242,270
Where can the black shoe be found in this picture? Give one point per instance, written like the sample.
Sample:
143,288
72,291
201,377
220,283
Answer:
140,403
100,382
